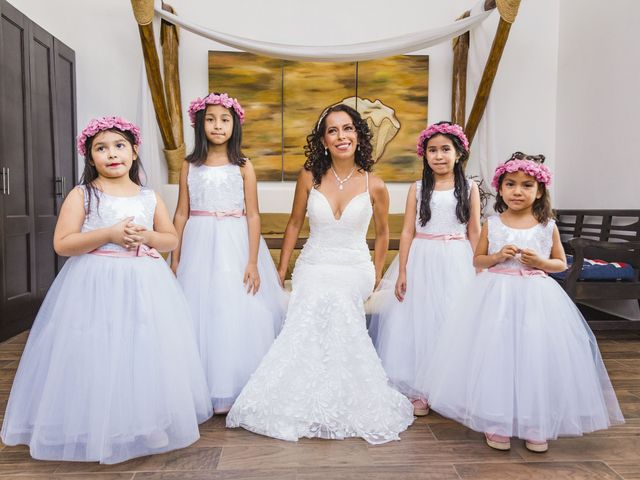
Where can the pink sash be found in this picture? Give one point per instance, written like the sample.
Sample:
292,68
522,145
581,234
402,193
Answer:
521,272
441,236
141,251
218,214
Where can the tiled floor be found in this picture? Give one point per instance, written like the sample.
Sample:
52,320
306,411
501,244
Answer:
433,448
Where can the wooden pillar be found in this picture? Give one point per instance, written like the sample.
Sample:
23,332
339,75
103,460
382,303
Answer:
459,77
508,10
143,12
170,41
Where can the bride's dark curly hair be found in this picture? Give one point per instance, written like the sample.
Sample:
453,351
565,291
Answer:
318,162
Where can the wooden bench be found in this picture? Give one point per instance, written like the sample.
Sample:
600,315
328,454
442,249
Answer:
610,235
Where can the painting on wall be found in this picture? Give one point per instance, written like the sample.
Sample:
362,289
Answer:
283,100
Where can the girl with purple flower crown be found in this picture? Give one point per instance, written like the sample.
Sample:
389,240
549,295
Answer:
110,370
222,262
441,227
516,358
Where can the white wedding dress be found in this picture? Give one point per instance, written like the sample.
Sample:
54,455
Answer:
322,376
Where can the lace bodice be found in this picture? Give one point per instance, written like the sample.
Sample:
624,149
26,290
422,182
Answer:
538,238
343,240
215,188
443,212
110,210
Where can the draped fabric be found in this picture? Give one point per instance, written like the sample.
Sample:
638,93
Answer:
484,157
155,167
386,47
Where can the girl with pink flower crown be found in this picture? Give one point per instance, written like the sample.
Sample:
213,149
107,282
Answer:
110,370
223,264
516,358
441,227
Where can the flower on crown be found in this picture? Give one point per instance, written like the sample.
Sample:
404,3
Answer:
450,128
215,99
523,164
97,125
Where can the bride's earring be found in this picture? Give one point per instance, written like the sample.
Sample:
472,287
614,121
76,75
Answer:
326,151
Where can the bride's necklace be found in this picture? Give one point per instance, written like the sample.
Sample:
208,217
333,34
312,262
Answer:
342,181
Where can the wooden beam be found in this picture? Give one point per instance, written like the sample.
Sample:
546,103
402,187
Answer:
143,11
508,10
489,74
170,42
459,77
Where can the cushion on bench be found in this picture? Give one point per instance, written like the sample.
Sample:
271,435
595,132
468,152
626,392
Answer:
599,270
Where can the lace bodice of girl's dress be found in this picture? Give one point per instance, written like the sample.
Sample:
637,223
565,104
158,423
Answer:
107,210
443,213
538,238
337,241
215,189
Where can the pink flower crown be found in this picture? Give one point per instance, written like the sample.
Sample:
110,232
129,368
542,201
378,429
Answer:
213,99
450,128
534,169
105,123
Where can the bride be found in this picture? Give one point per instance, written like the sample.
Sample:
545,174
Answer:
322,377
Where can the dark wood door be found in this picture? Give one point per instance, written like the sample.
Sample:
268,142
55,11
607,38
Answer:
18,268
37,161
44,156
65,85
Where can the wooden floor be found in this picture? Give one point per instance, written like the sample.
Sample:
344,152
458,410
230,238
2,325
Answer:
433,448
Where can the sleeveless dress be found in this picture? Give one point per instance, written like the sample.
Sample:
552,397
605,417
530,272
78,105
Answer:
110,370
234,328
322,377
439,266
517,358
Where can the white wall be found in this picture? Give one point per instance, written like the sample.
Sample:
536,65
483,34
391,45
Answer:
109,60
598,103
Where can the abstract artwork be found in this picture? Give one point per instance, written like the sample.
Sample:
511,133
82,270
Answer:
283,99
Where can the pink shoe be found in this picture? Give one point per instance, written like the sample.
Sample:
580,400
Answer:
499,442
536,446
420,407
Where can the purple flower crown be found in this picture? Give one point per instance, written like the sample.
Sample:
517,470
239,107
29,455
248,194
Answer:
97,125
213,99
537,170
450,128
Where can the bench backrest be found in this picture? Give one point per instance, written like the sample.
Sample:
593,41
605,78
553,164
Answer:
601,225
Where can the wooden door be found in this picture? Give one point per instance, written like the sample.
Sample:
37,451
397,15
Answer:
16,206
44,156
37,161
65,93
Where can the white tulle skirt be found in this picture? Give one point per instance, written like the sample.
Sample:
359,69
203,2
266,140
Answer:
111,369
405,333
234,329
518,359
322,377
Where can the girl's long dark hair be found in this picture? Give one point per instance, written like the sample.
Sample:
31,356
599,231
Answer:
318,163
541,207
461,186
201,145
90,173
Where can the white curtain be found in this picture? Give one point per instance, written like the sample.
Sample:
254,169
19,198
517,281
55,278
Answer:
155,166
409,42
484,157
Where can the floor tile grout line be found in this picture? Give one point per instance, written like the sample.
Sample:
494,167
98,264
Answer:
614,470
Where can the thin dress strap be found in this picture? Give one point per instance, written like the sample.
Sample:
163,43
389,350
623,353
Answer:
367,179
